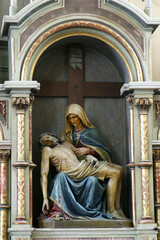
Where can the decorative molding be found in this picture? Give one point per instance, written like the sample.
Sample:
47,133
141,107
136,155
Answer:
4,155
20,164
20,195
136,10
21,86
145,194
21,239
156,144
130,100
21,102
143,102
141,87
3,110
131,165
156,154
32,165
87,24
145,164
4,206
95,238
147,238
144,135
31,100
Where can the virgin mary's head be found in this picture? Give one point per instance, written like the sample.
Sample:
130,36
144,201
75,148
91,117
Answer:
76,109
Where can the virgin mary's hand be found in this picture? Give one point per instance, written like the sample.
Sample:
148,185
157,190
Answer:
81,151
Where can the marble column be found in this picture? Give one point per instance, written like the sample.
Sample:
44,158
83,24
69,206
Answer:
20,164
157,109
156,158
131,165
4,157
31,164
144,164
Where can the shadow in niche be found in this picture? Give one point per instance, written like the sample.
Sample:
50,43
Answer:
102,64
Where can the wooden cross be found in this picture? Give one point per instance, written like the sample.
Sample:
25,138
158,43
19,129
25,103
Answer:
76,89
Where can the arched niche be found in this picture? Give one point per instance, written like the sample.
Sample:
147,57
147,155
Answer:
102,64
105,34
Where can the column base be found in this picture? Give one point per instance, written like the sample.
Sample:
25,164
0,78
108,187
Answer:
21,220
94,234
23,233
146,220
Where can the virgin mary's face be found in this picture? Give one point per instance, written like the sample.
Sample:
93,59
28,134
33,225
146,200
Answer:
74,120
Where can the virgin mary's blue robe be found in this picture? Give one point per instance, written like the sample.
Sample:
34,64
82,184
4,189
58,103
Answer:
82,198
91,138
79,198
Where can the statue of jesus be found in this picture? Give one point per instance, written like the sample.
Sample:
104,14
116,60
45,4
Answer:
88,157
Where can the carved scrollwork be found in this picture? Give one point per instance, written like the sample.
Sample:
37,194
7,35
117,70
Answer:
31,100
4,155
130,101
156,154
3,111
21,102
143,103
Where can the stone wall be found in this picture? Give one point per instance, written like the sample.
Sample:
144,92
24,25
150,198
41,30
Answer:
156,36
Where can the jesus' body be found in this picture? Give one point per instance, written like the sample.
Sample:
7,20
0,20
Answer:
61,155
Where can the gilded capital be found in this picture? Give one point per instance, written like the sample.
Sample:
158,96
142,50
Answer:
20,102
4,155
31,100
3,110
130,101
143,103
156,154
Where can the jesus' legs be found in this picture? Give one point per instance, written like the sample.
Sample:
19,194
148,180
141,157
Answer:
114,176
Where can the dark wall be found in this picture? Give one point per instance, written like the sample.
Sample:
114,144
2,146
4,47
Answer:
3,61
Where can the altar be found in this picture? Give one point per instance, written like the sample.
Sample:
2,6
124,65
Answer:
97,54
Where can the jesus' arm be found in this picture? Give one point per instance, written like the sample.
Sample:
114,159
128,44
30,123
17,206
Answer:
44,175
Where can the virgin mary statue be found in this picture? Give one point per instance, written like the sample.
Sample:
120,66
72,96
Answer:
95,196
